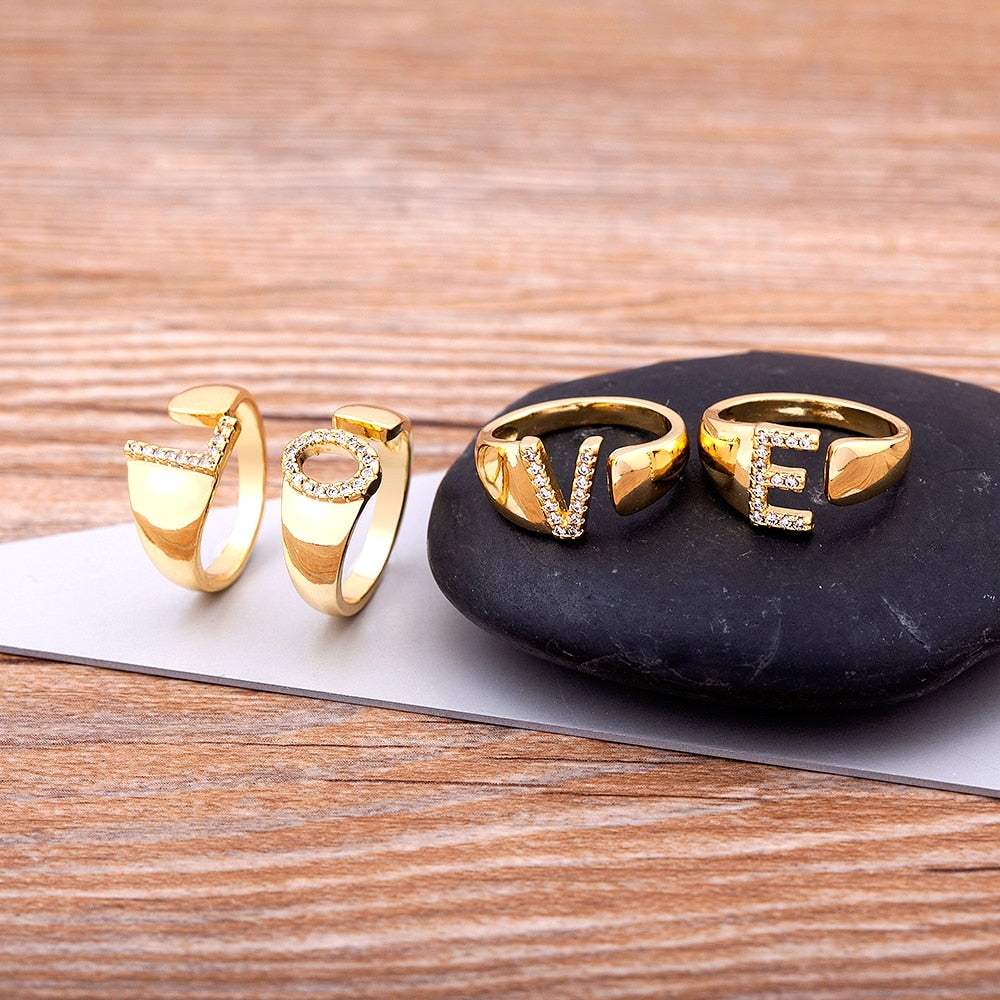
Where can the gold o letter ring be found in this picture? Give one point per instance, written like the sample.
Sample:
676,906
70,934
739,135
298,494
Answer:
514,468
318,519
738,435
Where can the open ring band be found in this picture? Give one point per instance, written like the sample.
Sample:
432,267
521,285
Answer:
514,468
737,437
318,519
171,489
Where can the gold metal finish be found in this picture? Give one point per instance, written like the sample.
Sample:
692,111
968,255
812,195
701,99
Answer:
515,471
318,519
171,489
737,436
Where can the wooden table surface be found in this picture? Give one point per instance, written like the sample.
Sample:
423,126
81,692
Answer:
437,206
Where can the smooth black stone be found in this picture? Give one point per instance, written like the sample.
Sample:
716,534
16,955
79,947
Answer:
885,601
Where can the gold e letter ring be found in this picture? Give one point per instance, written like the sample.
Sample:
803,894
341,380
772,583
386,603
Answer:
171,490
737,438
514,468
318,519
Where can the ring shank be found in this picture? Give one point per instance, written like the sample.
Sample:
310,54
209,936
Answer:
543,418
354,591
252,470
839,414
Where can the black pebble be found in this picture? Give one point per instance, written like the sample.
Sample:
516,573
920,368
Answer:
885,601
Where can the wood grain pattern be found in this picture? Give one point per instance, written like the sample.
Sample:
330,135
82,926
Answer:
330,201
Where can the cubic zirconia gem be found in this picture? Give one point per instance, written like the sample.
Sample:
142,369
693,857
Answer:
564,522
313,442
763,477
208,461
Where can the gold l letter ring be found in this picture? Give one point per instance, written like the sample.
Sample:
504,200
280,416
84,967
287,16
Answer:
514,468
737,437
318,519
171,489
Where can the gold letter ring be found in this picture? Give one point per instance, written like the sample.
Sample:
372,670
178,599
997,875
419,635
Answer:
514,468
738,436
318,519
171,489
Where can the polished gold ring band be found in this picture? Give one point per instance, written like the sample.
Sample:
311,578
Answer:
738,435
514,468
171,489
319,519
